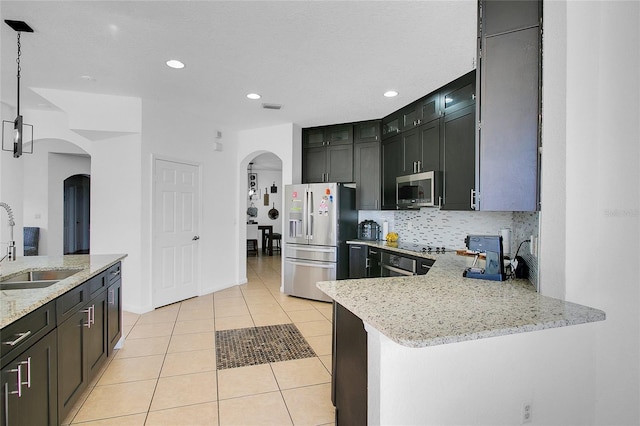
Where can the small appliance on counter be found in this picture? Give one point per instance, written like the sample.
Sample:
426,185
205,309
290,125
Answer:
491,247
368,230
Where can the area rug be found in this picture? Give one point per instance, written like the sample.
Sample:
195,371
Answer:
260,345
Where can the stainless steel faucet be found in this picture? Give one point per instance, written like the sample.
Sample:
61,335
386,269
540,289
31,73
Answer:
11,250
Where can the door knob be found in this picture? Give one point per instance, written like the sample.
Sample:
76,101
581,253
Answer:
195,238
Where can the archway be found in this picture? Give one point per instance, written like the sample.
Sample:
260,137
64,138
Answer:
263,193
77,208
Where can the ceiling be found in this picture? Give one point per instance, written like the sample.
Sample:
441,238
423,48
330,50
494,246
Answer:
325,62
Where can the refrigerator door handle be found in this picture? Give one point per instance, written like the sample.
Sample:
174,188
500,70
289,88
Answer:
314,265
310,215
317,249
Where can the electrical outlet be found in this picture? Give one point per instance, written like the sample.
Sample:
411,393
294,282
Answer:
526,413
533,246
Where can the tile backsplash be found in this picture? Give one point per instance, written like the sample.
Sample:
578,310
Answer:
439,228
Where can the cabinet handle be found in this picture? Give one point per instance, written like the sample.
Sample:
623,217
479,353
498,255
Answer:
93,314
88,312
18,390
116,273
111,297
21,337
367,263
28,364
419,166
473,199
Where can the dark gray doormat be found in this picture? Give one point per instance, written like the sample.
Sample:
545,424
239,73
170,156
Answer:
260,345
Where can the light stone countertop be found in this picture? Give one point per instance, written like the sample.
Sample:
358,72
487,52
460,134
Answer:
14,304
444,307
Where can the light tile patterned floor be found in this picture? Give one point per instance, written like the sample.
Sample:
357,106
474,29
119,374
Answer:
166,372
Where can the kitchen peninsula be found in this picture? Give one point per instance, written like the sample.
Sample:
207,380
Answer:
440,342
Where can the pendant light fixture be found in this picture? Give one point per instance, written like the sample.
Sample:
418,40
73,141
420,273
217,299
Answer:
18,125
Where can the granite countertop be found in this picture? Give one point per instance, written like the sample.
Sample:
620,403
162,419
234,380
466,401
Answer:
444,307
15,304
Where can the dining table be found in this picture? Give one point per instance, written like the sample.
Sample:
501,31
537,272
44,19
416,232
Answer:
267,238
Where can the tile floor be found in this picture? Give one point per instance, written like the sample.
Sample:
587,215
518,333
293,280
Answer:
166,374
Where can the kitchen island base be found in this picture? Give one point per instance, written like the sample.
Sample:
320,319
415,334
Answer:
486,381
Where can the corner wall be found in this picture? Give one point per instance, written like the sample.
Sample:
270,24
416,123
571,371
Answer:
591,185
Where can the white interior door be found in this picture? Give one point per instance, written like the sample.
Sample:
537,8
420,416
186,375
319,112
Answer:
176,220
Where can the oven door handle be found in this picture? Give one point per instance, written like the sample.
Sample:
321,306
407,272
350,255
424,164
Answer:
398,270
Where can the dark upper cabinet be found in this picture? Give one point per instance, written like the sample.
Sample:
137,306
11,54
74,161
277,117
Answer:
421,111
430,144
367,131
509,106
338,134
391,125
327,154
503,16
458,144
459,94
366,165
392,166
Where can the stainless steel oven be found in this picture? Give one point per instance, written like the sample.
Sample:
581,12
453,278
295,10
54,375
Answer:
397,265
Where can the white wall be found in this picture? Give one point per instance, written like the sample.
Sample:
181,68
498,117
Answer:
591,185
486,381
169,133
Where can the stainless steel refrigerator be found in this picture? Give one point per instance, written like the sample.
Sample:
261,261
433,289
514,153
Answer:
320,218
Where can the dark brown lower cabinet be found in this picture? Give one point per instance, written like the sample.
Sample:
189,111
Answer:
83,344
349,368
29,391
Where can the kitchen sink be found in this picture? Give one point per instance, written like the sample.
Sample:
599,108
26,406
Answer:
36,279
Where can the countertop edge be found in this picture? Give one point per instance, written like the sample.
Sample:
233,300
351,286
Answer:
460,309
86,271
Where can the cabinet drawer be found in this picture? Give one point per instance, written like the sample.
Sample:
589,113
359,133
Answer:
96,284
71,302
113,273
21,334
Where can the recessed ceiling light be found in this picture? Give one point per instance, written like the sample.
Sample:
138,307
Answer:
174,63
253,96
390,93
87,78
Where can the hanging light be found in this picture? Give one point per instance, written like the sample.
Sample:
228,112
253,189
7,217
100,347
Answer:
18,125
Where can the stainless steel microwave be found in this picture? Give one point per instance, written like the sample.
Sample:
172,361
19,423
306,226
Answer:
418,190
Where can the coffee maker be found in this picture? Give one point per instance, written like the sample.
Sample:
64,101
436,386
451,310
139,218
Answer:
491,247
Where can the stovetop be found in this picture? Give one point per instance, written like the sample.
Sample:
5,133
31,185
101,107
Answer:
421,248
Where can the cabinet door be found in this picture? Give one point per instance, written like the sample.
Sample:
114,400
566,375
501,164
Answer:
421,111
114,315
314,165
36,402
373,268
313,138
340,134
459,159
357,261
412,152
460,93
430,145
506,16
339,163
368,131
366,170
349,376
391,125
392,166
72,363
96,335
508,137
